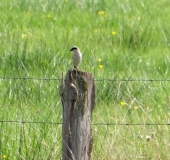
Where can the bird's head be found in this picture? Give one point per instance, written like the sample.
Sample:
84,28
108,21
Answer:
74,48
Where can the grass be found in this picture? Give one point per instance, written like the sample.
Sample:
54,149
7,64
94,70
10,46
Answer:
132,40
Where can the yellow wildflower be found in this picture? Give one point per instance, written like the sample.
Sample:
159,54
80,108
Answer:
101,66
24,35
48,16
122,103
4,156
113,33
101,12
135,107
96,30
99,60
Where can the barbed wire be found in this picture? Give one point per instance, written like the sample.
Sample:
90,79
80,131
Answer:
95,124
29,122
30,78
111,80
59,79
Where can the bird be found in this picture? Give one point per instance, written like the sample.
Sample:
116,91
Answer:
77,56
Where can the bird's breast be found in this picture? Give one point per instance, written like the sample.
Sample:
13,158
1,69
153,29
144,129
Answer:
77,57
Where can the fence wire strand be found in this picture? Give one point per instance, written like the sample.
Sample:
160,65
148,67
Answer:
94,124
111,80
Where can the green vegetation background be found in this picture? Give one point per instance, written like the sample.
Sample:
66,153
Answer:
119,39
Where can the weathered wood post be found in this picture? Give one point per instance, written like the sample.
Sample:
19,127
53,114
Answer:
78,98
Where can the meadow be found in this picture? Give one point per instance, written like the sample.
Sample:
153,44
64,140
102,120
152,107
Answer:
125,45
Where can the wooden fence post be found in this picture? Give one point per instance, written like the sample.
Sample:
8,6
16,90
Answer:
78,99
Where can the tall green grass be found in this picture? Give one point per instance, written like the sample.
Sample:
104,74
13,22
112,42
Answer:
132,40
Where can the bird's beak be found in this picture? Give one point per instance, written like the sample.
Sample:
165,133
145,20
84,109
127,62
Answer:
71,49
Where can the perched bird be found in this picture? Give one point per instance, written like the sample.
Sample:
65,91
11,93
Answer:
77,56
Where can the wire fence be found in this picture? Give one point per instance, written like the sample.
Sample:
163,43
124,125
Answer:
27,133
95,124
59,79
97,80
